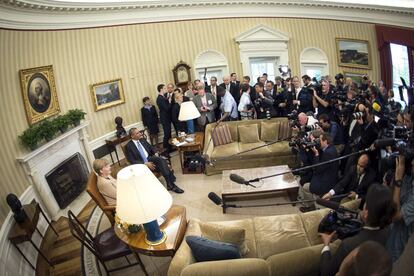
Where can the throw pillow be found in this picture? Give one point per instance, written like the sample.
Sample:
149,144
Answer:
249,133
229,234
208,250
221,135
269,131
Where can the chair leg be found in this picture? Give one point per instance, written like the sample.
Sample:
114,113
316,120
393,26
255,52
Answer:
126,257
141,263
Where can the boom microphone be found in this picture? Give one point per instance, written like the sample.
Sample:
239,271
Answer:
239,179
334,206
215,198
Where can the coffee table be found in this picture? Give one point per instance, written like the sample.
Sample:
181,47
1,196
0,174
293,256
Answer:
232,191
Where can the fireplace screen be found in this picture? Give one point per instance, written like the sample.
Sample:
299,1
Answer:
68,179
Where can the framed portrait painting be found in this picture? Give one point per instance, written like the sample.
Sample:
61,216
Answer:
356,77
107,94
39,93
353,53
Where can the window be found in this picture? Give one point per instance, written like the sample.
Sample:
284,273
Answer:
211,72
258,66
400,69
314,63
215,63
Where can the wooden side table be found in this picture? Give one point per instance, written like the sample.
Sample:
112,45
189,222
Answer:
174,226
195,146
24,231
112,143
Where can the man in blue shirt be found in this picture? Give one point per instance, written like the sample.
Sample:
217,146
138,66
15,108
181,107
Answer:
228,107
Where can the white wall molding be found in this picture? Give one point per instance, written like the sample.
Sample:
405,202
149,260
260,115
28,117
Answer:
48,14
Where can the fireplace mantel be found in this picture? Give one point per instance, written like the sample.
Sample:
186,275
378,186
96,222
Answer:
39,162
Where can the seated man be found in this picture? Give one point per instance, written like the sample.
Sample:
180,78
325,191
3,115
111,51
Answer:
324,176
105,182
139,151
376,216
356,181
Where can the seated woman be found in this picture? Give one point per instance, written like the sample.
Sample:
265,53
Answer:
106,183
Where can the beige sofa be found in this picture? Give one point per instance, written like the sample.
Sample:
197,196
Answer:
278,245
275,154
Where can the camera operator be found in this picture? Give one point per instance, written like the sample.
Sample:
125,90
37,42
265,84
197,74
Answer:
334,129
280,101
339,82
376,216
324,176
403,221
263,103
323,100
356,181
245,107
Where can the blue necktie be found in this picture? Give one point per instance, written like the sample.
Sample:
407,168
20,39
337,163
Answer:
141,151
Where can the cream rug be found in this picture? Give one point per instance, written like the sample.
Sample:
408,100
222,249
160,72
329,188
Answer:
198,205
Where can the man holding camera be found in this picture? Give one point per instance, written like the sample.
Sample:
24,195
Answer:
376,216
334,130
324,176
403,221
263,103
323,100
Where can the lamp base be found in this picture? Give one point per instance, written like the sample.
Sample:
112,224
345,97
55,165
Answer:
163,238
154,236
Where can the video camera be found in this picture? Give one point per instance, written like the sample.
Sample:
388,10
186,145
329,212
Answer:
345,224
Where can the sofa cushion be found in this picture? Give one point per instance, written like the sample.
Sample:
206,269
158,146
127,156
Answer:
248,133
260,152
221,135
209,250
280,148
269,131
277,234
284,130
225,150
218,232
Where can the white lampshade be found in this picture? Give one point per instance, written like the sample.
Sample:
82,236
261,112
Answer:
140,196
188,111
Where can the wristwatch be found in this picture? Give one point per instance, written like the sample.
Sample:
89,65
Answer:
398,183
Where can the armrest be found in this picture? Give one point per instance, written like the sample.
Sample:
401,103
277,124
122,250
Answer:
236,267
109,208
208,145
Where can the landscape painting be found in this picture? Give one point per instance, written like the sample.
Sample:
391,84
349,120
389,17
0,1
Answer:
353,53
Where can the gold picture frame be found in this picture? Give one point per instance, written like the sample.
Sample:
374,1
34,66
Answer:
353,53
39,93
106,94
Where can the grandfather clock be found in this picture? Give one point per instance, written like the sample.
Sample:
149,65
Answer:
182,75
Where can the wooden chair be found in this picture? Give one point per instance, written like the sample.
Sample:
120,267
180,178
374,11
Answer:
92,189
106,246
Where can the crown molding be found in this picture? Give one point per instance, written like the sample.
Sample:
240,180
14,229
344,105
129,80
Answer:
55,15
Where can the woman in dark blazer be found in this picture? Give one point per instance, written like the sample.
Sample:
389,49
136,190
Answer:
150,120
175,111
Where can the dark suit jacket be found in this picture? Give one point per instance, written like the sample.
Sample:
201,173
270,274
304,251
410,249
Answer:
150,119
235,91
305,98
132,154
330,264
179,125
165,109
350,182
325,176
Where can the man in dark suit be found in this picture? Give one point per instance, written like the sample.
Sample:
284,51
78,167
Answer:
303,98
164,105
356,181
324,177
226,86
139,151
214,89
376,216
235,88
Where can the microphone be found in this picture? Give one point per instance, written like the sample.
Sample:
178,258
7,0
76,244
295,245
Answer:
334,206
382,143
240,180
215,198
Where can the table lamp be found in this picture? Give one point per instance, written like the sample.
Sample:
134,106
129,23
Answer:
188,112
141,199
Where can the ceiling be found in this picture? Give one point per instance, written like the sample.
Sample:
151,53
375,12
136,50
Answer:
69,14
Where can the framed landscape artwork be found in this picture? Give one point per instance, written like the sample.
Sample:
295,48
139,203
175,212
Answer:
107,94
353,53
356,77
39,93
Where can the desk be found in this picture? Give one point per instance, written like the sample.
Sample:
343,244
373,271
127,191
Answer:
112,143
24,231
174,226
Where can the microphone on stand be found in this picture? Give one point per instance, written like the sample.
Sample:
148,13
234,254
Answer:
240,180
218,201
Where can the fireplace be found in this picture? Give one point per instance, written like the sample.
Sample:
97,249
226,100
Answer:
68,180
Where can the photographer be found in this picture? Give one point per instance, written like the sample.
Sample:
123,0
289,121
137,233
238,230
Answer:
324,176
403,195
263,103
334,130
323,100
376,216
246,107
356,181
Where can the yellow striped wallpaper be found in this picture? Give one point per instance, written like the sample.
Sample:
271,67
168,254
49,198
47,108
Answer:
143,56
